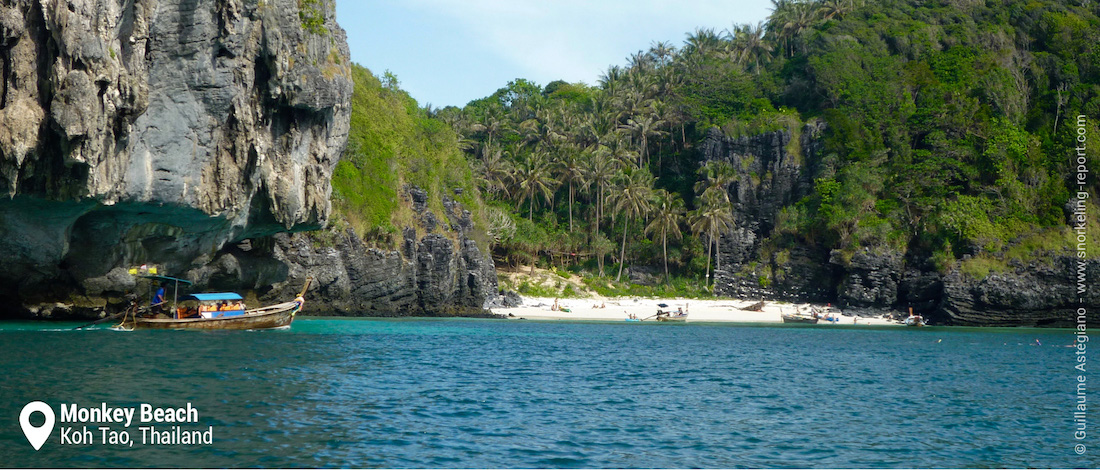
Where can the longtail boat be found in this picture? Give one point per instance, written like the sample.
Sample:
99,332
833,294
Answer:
914,320
798,318
217,311
672,316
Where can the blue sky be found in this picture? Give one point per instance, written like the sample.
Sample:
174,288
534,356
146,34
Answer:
448,52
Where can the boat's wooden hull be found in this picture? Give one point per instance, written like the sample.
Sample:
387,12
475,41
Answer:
276,316
682,318
798,319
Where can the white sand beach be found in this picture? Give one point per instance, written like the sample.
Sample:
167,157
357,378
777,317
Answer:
719,310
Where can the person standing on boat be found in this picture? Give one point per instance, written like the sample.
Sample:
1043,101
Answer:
158,298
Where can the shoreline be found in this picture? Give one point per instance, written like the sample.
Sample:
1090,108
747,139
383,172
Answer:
717,310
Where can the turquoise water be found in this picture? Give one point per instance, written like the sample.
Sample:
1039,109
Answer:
485,393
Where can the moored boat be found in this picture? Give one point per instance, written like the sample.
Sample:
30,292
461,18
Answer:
797,318
218,311
672,316
914,320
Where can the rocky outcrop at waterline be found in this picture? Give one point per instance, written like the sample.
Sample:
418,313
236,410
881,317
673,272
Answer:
158,131
433,272
1040,293
776,169
199,136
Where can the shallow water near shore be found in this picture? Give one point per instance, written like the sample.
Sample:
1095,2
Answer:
490,393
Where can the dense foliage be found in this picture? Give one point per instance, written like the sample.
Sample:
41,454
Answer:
393,143
950,127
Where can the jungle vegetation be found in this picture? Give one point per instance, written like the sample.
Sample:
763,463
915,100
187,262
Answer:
950,129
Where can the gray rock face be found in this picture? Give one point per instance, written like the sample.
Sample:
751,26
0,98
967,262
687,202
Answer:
1038,294
436,275
870,278
770,176
157,132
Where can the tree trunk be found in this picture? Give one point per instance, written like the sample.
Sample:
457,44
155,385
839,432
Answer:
664,248
570,207
707,279
717,263
622,253
599,210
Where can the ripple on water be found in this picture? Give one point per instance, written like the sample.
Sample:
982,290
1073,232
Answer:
467,393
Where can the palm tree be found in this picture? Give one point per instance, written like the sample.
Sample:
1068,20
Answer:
667,215
640,61
619,151
662,52
712,219
749,47
634,198
496,171
703,41
781,14
492,123
802,16
716,174
599,170
533,178
837,8
644,126
611,80
570,170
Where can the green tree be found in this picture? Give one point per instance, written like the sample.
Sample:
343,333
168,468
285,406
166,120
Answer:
599,170
713,218
716,174
748,46
633,198
667,214
570,170
534,179
642,127
496,172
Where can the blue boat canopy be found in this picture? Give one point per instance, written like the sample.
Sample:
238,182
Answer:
213,296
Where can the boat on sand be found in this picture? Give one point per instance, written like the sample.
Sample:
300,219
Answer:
798,318
672,316
914,320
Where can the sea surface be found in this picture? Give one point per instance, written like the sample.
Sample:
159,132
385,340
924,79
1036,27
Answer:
518,394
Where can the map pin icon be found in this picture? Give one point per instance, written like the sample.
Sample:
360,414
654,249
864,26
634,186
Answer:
37,435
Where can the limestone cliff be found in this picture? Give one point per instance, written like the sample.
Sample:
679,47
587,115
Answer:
442,272
775,169
146,131
770,176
